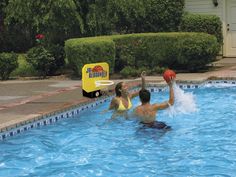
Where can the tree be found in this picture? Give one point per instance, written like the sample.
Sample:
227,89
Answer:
98,18
131,16
57,19
63,19
163,15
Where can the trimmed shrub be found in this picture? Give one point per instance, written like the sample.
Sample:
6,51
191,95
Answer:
89,50
188,51
197,51
8,62
210,24
41,60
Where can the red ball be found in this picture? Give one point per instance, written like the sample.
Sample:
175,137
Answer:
168,74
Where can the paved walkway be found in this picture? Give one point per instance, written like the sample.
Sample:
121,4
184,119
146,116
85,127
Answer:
22,100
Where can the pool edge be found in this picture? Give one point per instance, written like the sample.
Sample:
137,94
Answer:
69,110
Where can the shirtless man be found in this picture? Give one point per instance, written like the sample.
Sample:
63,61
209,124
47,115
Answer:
147,112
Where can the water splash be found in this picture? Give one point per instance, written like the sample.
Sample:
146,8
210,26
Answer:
184,102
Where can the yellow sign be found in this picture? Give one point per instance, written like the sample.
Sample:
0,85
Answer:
93,74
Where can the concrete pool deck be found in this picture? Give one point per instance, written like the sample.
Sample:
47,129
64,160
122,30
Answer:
25,100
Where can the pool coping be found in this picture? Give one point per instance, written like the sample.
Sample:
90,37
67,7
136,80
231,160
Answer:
68,111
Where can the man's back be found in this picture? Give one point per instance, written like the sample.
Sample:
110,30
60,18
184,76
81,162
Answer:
146,113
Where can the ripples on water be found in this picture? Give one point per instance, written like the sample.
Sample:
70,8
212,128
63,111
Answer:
201,143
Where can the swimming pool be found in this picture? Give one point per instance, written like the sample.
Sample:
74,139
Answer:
202,143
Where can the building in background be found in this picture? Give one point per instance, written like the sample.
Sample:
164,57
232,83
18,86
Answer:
226,10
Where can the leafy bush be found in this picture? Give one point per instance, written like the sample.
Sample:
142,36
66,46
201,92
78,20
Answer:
165,50
134,72
57,51
89,50
41,60
188,51
8,62
128,71
24,69
197,51
210,24
158,70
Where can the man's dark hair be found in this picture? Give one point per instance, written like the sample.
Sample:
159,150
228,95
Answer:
144,96
118,88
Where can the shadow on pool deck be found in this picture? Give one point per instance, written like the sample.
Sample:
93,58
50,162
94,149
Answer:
24,100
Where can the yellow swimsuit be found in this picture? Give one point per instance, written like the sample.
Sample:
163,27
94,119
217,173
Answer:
122,107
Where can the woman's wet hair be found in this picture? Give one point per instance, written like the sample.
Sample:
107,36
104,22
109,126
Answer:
144,96
118,88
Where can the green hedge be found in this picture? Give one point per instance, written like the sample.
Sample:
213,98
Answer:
89,50
188,51
197,51
210,24
8,62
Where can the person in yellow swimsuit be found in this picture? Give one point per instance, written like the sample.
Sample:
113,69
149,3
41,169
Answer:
121,103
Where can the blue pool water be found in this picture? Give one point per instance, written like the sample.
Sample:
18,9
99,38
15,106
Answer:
201,143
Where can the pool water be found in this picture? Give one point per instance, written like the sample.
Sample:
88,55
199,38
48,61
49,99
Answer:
201,143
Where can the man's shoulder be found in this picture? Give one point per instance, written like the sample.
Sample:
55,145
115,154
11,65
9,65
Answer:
138,109
155,105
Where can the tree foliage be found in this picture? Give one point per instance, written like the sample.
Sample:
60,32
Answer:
133,16
57,19
130,16
63,19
